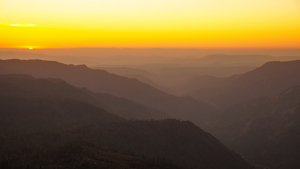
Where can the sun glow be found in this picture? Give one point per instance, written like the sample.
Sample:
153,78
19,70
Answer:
156,23
22,25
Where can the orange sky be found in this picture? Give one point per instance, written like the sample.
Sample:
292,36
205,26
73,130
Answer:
148,24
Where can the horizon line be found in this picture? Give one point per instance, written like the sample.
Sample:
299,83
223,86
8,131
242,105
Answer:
32,47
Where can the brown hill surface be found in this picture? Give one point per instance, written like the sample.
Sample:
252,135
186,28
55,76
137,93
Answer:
264,130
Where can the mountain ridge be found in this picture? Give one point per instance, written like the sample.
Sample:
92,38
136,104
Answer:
30,123
15,84
269,79
103,82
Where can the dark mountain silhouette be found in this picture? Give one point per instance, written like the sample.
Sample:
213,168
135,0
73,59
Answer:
39,130
264,130
267,80
103,82
28,86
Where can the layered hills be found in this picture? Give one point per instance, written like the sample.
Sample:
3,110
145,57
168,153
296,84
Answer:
104,82
152,79
35,125
26,85
170,78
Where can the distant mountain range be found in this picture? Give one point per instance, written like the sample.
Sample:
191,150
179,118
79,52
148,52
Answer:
185,59
46,123
168,78
100,81
244,59
267,80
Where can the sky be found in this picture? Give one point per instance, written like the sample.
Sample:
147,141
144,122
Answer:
150,23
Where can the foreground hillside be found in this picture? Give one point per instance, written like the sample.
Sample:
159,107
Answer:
34,126
80,154
265,130
185,108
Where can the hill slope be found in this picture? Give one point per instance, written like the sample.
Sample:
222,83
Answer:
265,130
100,81
26,86
267,80
30,124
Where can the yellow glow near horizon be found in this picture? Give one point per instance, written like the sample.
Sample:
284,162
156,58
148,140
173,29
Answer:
22,25
150,23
